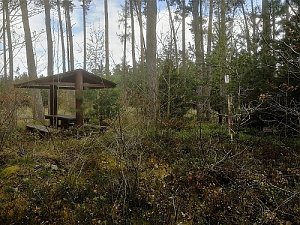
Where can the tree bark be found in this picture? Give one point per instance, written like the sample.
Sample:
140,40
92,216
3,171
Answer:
9,42
209,31
4,44
138,9
67,40
208,56
173,33
70,34
266,24
132,35
124,64
287,10
199,53
49,37
63,50
203,75
183,36
246,29
273,15
151,46
254,36
222,42
196,31
38,112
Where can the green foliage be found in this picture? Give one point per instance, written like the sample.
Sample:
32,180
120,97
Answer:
105,104
177,91
269,84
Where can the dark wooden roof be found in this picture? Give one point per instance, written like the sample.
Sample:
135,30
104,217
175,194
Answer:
67,81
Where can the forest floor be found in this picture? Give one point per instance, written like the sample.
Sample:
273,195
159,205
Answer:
133,176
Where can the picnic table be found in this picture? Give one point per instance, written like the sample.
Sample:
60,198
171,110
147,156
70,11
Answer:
62,121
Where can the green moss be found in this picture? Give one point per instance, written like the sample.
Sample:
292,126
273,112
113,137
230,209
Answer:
9,171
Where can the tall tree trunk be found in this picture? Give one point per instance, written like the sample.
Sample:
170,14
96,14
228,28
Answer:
221,47
287,10
132,35
254,35
106,38
151,46
210,22
273,15
142,69
9,42
173,32
196,31
201,36
246,29
199,53
138,9
223,38
50,63
205,92
124,64
183,36
49,37
63,50
67,41
84,32
208,55
70,36
4,43
266,32
38,112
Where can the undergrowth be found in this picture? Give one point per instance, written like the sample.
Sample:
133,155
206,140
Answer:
191,175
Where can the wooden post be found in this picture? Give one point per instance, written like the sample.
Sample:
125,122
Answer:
230,121
79,97
53,104
229,105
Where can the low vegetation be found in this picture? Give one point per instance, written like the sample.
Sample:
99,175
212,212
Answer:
133,175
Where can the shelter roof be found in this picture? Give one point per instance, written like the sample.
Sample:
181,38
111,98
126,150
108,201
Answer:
67,80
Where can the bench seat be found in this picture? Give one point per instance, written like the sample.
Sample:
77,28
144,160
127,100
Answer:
41,129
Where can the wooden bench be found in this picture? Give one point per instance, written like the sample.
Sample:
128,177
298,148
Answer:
41,129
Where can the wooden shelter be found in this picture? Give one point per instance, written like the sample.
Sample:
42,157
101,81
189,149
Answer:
77,80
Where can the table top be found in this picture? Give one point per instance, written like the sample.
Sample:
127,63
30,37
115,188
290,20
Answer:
61,117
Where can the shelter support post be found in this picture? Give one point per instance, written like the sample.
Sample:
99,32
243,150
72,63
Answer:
53,104
79,98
